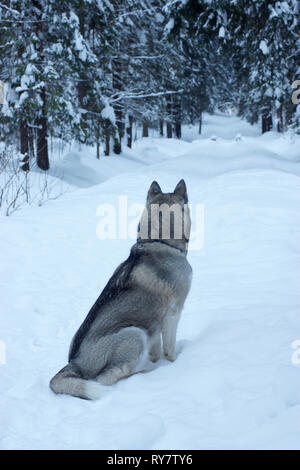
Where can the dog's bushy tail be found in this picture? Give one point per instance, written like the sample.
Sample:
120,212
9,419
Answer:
69,381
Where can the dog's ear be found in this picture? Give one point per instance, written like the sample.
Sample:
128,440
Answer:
181,191
153,190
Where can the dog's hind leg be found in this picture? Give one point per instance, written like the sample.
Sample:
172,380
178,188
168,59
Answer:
70,381
130,351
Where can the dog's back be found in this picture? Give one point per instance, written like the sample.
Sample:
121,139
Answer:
141,302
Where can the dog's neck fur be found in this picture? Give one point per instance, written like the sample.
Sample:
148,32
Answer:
182,248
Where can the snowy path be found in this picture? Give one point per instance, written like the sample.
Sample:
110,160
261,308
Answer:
233,384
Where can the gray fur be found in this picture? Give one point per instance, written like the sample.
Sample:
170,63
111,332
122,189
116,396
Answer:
137,311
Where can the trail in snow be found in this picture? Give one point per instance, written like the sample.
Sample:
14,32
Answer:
233,384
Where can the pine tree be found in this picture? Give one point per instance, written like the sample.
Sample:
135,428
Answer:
41,61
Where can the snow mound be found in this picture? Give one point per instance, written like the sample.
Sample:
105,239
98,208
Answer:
236,381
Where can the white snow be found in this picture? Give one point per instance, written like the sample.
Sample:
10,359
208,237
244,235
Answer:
80,46
264,47
236,380
222,32
109,113
169,26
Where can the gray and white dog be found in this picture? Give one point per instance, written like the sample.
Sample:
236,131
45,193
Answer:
140,305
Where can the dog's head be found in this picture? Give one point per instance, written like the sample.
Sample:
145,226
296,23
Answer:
166,216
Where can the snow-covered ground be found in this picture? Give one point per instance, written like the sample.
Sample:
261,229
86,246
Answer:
236,382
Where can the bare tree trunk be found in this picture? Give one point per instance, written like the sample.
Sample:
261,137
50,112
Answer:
129,132
107,146
266,122
288,117
177,116
42,157
200,124
280,120
98,141
161,128
107,137
24,146
145,130
117,147
169,123
169,130
178,129
81,91
117,85
31,140
42,142
82,83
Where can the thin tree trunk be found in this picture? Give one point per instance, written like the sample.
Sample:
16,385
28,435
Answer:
169,130
82,84
177,117
117,85
200,124
42,157
107,146
266,122
178,129
288,117
81,92
107,137
280,120
129,132
117,148
118,138
42,142
161,128
24,140
145,130
98,141
31,140
169,123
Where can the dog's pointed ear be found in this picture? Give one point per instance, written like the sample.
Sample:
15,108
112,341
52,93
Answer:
181,191
153,190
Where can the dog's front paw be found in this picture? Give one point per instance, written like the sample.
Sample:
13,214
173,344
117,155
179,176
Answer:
170,357
154,357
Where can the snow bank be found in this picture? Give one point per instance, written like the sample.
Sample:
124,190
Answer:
234,384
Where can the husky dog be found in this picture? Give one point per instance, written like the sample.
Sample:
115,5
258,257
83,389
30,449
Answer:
140,304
